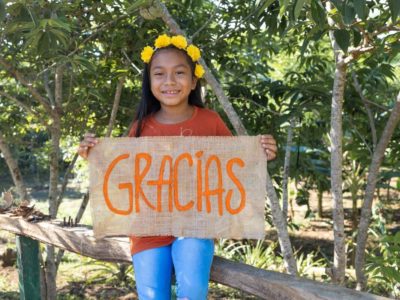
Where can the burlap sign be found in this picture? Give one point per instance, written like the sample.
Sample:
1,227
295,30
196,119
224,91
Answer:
206,187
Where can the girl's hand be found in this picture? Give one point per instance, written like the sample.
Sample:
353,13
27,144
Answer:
89,141
268,143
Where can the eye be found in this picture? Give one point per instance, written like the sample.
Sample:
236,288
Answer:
180,72
158,74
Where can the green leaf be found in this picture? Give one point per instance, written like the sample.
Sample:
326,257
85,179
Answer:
20,27
342,37
2,11
264,6
297,8
339,4
283,6
349,13
356,38
394,6
361,8
318,13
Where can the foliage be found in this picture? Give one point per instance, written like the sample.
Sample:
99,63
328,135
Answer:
383,263
255,254
110,273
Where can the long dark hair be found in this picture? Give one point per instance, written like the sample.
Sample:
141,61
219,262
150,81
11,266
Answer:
149,104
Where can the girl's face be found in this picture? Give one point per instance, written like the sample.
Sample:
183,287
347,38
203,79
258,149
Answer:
171,78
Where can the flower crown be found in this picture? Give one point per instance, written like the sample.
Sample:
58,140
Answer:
179,42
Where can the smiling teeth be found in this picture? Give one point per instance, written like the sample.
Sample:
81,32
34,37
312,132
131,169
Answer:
170,92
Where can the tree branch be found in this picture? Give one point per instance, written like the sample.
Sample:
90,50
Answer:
371,120
372,179
19,103
114,111
14,169
95,32
20,78
354,53
208,21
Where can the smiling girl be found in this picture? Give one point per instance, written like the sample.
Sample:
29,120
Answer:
171,105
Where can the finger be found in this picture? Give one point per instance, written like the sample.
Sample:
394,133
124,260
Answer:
89,143
268,141
90,140
89,134
267,136
270,154
272,147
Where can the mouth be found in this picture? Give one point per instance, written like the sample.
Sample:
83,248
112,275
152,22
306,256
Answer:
171,92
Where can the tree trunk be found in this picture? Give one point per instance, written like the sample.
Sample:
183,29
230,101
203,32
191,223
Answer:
339,264
281,228
372,179
117,98
336,134
286,168
14,169
55,131
240,130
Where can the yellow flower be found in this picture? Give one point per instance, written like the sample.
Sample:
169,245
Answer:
146,54
198,71
193,52
162,41
179,41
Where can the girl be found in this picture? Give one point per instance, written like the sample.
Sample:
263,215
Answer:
171,105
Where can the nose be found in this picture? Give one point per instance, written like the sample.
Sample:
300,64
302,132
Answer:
170,78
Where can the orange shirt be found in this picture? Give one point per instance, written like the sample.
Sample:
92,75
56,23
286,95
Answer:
204,122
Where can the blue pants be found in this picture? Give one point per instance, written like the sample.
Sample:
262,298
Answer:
191,260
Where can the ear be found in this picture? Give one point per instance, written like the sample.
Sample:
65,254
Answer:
194,82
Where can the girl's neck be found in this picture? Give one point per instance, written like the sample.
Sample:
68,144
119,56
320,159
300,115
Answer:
172,115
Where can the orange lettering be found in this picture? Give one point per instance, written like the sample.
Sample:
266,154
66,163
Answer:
161,181
190,204
219,190
139,176
199,181
238,185
120,186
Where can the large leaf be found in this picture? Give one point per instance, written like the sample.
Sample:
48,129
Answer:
318,13
339,4
361,8
297,8
394,6
283,6
349,13
342,37
356,38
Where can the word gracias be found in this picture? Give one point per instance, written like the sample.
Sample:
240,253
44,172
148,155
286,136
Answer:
171,180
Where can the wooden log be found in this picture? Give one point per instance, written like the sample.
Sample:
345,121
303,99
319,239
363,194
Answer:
259,282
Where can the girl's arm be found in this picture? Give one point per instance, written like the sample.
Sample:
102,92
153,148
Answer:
268,143
89,141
